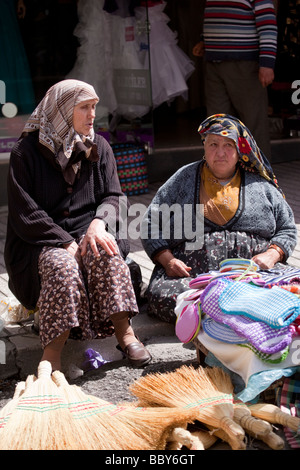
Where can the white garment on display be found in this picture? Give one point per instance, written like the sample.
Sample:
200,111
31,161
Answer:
128,69
94,55
170,66
113,56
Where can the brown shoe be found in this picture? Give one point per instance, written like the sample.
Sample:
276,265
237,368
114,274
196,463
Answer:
136,354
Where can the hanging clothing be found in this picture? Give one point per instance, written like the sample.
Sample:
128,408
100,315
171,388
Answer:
14,67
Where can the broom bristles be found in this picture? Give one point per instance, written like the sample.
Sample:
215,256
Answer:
40,420
154,425
99,431
190,388
6,411
128,427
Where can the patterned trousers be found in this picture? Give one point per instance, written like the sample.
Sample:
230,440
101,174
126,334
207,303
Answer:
82,297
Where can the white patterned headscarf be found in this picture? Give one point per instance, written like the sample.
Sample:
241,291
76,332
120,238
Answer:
53,117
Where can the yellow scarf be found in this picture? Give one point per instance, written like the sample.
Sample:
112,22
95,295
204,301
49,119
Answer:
220,201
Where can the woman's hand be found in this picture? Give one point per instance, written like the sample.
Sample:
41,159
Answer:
174,267
96,233
74,250
267,259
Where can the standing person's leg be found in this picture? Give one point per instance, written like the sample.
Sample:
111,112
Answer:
217,98
249,99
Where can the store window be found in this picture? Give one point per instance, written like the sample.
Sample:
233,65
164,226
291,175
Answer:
138,55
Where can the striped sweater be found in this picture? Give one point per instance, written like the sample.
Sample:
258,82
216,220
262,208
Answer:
240,30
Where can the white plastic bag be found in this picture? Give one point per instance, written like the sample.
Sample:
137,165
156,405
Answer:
11,311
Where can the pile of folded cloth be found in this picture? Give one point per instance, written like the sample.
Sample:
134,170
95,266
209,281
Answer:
242,306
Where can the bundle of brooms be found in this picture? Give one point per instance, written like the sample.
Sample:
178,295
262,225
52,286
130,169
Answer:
209,392
49,414
132,427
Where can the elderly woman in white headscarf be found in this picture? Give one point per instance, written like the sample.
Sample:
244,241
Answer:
59,253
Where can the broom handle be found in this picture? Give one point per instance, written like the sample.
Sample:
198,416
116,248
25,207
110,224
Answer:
271,439
289,421
235,444
244,418
232,428
273,414
44,370
20,387
59,378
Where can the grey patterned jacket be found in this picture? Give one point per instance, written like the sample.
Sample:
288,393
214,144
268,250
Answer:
262,211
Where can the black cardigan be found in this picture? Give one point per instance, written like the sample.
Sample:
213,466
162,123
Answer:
43,209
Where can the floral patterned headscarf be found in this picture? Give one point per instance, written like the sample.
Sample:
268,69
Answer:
251,157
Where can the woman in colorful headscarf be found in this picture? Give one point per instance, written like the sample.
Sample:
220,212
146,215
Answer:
228,205
63,198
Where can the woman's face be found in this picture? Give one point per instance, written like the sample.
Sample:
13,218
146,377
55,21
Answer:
221,156
83,116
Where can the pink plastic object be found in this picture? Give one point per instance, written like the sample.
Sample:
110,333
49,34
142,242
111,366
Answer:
200,281
188,323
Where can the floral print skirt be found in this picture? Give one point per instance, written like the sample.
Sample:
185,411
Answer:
163,290
82,298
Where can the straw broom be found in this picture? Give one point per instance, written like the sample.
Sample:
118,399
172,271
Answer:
40,420
273,414
7,410
274,441
155,425
189,388
261,430
97,429
122,426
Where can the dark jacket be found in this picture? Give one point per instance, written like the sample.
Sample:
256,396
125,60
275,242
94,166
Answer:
43,209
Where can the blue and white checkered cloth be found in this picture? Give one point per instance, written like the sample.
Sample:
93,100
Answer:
276,307
266,339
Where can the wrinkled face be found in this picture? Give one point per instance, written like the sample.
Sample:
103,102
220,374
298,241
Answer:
221,156
83,116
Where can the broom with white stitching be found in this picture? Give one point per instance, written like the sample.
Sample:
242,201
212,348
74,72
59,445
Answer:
128,427
40,419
